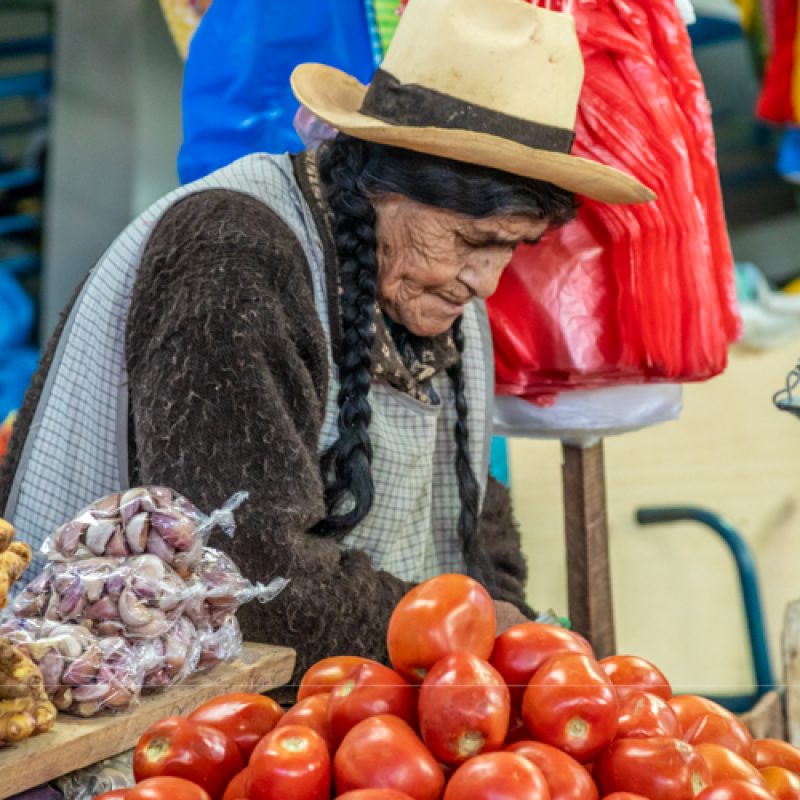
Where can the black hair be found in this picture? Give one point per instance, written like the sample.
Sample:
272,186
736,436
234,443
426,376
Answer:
352,172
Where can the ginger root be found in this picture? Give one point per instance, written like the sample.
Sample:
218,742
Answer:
24,707
14,560
6,535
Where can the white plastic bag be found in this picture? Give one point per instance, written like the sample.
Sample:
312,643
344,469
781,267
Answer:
583,417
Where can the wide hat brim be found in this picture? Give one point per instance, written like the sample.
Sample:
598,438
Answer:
336,98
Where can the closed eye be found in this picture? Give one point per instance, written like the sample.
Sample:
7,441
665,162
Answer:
505,244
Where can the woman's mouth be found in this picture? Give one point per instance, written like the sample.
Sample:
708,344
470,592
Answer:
454,307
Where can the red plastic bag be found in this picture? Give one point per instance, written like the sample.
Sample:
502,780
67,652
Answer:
627,294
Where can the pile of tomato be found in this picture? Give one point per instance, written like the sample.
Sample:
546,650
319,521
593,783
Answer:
466,715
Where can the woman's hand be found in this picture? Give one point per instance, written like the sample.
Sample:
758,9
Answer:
507,615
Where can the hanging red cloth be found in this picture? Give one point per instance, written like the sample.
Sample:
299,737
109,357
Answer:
637,293
779,101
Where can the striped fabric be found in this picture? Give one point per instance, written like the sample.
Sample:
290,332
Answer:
76,450
374,33
387,19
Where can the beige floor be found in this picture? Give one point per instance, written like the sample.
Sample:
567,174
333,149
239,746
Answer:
675,588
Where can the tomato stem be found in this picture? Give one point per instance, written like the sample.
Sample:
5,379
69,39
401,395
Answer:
157,749
577,728
295,744
470,743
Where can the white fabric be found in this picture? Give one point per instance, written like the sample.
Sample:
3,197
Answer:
76,449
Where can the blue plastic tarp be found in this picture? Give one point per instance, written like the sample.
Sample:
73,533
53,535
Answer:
236,94
17,360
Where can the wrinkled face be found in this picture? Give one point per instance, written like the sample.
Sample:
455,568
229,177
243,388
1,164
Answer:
432,262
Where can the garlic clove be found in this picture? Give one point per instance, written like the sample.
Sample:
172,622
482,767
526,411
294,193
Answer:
136,532
83,670
131,503
157,626
68,537
106,507
162,496
148,566
175,529
104,610
62,699
110,627
133,611
117,546
98,535
158,547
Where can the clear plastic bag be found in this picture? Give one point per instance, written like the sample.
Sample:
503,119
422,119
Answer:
143,624
145,519
138,598
83,673
104,776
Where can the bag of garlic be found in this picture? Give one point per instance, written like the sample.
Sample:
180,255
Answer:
83,673
145,519
132,581
139,597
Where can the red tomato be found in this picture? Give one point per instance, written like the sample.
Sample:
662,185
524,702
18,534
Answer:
464,708
114,794
572,705
688,707
374,794
634,674
182,748
243,717
566,778
643,715
384,753
782,782
290,762
497,776
321,677
658,768
166,788
725,765
725,731
735,790
369,690
239,787
776,753
519,651
445,614
313,713
624,796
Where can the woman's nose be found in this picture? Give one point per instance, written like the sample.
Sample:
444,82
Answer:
482,274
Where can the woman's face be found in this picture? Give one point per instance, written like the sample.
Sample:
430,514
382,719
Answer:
432,262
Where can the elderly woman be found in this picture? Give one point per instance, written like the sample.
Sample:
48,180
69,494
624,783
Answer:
312,329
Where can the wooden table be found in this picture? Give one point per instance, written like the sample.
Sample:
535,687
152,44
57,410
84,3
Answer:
74,743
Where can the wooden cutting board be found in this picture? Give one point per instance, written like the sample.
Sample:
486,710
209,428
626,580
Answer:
74,743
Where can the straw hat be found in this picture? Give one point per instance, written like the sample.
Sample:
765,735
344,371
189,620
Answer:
489,82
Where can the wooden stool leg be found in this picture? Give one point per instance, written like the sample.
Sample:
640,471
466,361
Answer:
586,529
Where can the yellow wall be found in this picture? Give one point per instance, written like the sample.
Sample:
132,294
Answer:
676,593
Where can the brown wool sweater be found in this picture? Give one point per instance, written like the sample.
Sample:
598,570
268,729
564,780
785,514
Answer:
228,370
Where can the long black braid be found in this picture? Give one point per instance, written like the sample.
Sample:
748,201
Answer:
346,464
352,171
478,564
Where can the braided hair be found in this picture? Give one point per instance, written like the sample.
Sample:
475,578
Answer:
354,171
